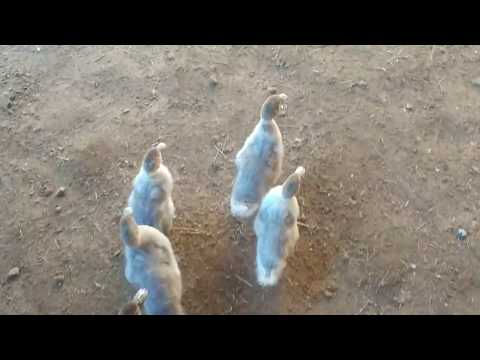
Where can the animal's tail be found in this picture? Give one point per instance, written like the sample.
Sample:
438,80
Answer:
292,184
242,210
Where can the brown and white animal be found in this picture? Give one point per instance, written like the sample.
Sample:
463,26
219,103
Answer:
150,264
135,306
276,229
259,162
151,197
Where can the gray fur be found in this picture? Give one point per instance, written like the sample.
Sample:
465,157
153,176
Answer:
151,197
277,233
258,165
150,264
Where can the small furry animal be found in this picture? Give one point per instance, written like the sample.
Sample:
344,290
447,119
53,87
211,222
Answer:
151,197
135,306
259,162
150,264
276,229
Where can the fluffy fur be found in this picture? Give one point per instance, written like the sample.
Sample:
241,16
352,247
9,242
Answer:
150,264
151,197
276,229
259,162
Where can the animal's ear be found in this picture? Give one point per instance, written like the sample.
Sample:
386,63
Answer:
129,229
152,160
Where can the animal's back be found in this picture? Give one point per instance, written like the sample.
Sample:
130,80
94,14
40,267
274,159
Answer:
269,226
142,200
251,181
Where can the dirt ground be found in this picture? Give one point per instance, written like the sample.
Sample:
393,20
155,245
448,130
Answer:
389,137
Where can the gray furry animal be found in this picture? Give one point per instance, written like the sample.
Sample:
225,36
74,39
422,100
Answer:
151,197
135,306
276,229
150,264
259,162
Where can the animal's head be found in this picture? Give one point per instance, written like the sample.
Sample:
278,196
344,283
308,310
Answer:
292,184
128,228
273,106
153,158
148,240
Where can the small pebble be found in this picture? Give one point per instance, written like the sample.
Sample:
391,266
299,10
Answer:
408,107
361,84
126,111
13,273
58,208
60,192
461,234
328,294
59,279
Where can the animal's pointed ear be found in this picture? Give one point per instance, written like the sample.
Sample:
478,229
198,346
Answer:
129,229
152,159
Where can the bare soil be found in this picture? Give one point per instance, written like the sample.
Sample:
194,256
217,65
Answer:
389,137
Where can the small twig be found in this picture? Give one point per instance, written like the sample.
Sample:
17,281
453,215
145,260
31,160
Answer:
191,231
420,227
363,307
303,225
97,227
382,282
221,152
440,86
243,280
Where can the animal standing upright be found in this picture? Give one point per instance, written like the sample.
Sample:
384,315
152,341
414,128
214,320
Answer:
276,229
259,162
150,264
151,196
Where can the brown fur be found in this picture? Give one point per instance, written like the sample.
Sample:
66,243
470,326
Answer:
130,309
